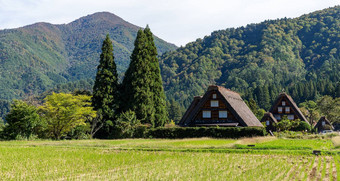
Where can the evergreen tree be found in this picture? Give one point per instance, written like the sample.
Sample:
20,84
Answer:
136,87
156,86
262,94
142,85
105,89
174,110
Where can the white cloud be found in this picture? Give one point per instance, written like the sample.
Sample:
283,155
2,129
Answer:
177,21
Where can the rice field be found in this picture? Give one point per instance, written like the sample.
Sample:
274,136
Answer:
187,159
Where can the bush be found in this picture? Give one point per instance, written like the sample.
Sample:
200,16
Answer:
127,125
214,132
303,126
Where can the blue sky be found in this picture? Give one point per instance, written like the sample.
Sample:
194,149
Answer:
176,21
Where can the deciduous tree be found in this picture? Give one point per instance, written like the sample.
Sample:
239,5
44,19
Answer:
22,120
63,112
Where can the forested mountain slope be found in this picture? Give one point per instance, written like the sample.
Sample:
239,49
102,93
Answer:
37,57
301,55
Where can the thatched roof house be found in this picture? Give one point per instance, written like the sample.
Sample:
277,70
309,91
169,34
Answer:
269,120
219,107
284,105
323,124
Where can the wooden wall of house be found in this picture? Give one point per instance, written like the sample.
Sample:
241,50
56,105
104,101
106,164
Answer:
271,123
215,110
279,104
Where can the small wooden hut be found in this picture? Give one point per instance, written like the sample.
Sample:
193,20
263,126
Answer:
269,120
323,124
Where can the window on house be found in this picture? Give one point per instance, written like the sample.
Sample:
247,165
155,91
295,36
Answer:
283,103
267,123
279,109
323,123
287,109
214,96
291,117
222,114
214,103
278,117
206,114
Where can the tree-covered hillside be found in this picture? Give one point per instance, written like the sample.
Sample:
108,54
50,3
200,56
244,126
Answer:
300,55
37,57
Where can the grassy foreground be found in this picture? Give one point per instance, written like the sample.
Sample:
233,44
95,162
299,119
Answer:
157,159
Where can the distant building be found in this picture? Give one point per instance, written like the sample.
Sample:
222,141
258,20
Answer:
269,120
219,107
284,105
323,124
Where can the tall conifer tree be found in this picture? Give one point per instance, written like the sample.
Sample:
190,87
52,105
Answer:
136,95
142,85
105,89
161,114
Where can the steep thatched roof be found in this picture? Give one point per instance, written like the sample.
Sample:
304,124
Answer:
291,101
190,109
233,101
323,118
270,116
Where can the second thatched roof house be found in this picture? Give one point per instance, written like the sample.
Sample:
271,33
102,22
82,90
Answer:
323,124
284,105
219,107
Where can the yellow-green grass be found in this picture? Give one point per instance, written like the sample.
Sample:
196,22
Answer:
60,163
170,160
297,144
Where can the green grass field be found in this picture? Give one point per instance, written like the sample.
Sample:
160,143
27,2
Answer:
160,159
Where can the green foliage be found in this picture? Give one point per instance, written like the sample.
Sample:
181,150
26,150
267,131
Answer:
63,112
299,55
259,113
136,94
80,132
105,89
310,111
283,125
142,89
197,132
37,57
156,86
4,109
330,108
127,124
303,126
175,110
22,121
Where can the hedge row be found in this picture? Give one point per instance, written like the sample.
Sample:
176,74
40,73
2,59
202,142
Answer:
197,132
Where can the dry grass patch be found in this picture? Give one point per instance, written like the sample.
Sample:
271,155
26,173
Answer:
255,140
336,141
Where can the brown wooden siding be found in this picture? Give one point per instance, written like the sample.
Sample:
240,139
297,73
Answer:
284,113
215,110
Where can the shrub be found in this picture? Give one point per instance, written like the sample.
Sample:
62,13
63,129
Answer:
214,132
127,124
303,126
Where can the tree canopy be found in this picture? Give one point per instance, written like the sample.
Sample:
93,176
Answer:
62,112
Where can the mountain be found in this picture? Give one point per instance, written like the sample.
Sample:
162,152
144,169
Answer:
300,55
37,57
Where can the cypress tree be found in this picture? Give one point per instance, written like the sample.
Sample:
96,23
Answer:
105,89
142,85
137,95
156,86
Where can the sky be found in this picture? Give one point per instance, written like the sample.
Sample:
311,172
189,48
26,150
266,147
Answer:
175,21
